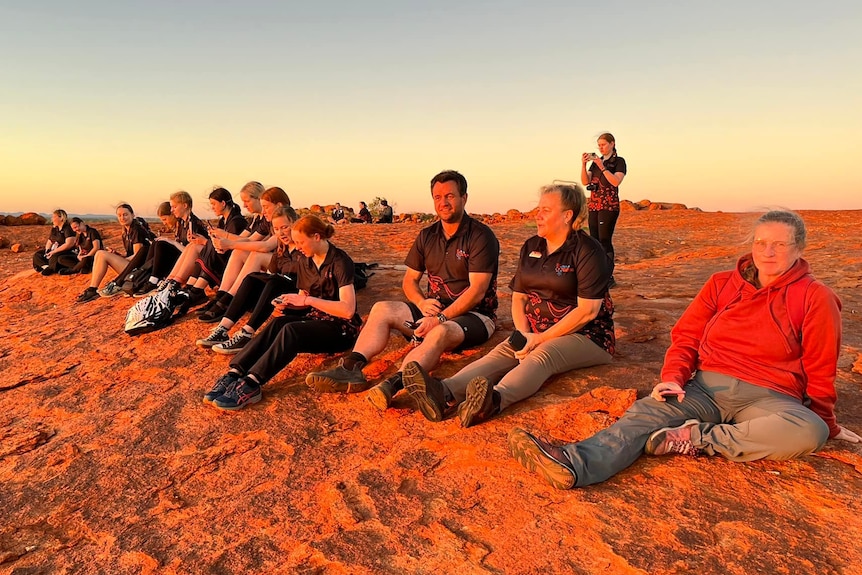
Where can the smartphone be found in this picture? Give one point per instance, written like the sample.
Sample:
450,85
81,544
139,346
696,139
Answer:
411,324
517,340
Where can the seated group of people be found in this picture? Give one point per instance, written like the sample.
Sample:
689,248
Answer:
750,371
339,215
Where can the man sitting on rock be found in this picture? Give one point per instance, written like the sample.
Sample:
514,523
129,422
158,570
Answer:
457,311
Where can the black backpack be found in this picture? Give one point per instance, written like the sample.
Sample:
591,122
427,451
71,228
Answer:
138,278
361,274
156,311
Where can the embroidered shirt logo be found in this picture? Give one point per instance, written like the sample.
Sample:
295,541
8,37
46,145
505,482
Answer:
461,254
564,269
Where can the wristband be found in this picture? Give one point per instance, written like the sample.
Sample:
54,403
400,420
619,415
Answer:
442,318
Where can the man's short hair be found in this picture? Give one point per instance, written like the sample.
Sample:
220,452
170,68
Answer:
451,176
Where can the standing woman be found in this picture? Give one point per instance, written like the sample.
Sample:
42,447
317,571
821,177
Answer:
562,314
136,239
60,241
603,179
330,322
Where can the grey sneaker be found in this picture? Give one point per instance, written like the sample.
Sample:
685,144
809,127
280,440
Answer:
218,335
234,344
339,379
381,394
110,290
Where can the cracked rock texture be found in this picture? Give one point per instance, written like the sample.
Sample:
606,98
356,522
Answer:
110,462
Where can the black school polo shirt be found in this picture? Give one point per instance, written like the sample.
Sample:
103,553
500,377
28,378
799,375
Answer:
197,226
336,271
472,249
59,235
554,282
86,240
136,234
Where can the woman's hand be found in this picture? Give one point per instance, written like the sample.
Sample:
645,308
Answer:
847,435
534,340
666,388
218,233
296,299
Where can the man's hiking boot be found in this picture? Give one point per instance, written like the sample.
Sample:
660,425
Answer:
338,379
381,394
540,456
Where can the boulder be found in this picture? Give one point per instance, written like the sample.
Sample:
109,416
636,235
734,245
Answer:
17,248
4,242
33,219
628,206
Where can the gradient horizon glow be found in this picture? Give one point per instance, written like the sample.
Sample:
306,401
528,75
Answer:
730,106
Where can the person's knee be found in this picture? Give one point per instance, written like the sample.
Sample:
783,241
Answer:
444,337
812,432
388,312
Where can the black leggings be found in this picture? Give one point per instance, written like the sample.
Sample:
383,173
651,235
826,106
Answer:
602,224
283,338
255,294
165,255
137,261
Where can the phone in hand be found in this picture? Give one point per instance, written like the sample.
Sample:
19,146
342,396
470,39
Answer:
411,324
517,340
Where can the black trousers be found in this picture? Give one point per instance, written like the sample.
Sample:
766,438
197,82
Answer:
165,255
255,294
602,224
68,260
272,349
54,263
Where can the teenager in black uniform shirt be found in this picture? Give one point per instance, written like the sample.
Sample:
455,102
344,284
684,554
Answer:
167,252
136,240
604,177
210,264
561,310
60,241
193,235
88,241
250,253
460,256
257,290
329,322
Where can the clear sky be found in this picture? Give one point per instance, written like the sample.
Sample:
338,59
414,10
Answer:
722,105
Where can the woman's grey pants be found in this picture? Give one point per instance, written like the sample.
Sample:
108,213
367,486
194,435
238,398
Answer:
739,420
516,380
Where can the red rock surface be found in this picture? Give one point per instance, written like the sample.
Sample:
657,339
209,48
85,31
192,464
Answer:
110,463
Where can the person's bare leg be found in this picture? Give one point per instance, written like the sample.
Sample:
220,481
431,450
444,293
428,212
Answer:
255,262
384,317
232,270
442,338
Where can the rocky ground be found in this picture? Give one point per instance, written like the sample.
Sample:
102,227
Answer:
110,463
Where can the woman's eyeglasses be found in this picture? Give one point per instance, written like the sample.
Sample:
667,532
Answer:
777,247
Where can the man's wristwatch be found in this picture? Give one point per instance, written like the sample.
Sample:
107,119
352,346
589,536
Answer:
442,318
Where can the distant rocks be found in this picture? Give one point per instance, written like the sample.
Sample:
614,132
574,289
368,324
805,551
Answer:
629,206
28,219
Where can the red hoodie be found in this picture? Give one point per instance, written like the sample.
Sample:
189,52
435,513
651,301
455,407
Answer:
753,334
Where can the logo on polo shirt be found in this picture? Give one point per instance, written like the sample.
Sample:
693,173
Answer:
564,269
461,254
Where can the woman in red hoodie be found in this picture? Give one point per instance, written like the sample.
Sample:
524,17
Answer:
750,373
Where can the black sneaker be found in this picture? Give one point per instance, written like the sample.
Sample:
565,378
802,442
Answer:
542,457
67,271
222,384
47,271
381,394
217,336
207,307
146,290
239,395
339,379
197,297
89,294
233,345
482,402
428,392
213,315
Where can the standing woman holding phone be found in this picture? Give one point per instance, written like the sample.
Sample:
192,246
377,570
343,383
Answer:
603,179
